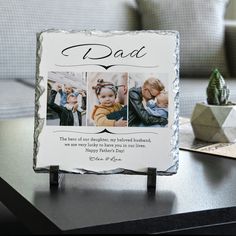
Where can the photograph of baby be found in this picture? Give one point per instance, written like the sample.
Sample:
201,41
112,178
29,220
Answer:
148,100
107,101
66,99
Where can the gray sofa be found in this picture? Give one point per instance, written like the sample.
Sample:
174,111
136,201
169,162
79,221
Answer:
207,41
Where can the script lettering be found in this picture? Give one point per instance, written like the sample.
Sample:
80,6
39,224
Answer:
101,51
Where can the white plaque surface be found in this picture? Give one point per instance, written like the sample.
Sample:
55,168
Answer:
107,102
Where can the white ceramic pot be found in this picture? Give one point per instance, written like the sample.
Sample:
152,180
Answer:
213,123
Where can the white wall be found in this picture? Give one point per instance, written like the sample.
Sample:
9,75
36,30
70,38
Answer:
231,10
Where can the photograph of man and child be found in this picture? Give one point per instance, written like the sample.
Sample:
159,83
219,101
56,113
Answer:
107,99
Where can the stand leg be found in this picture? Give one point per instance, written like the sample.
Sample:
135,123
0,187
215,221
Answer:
151,179
55,177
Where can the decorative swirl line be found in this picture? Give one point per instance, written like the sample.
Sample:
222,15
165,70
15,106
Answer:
106,67
102,131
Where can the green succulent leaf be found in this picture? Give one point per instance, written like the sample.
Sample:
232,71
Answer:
217,91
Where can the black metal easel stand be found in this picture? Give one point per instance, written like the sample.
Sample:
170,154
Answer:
56,178
151,180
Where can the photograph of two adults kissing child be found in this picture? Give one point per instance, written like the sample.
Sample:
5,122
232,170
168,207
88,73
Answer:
107,99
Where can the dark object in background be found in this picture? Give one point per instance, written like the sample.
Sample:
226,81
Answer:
9,225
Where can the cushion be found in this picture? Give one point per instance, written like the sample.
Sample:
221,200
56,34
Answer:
17,98
20,20
201,27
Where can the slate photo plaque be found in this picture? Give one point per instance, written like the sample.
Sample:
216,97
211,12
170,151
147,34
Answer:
107,102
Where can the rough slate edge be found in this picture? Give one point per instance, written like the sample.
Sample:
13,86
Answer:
39,90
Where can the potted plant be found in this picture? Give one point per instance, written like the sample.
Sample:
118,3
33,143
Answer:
215,121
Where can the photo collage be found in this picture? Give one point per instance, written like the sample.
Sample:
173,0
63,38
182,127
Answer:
108,99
